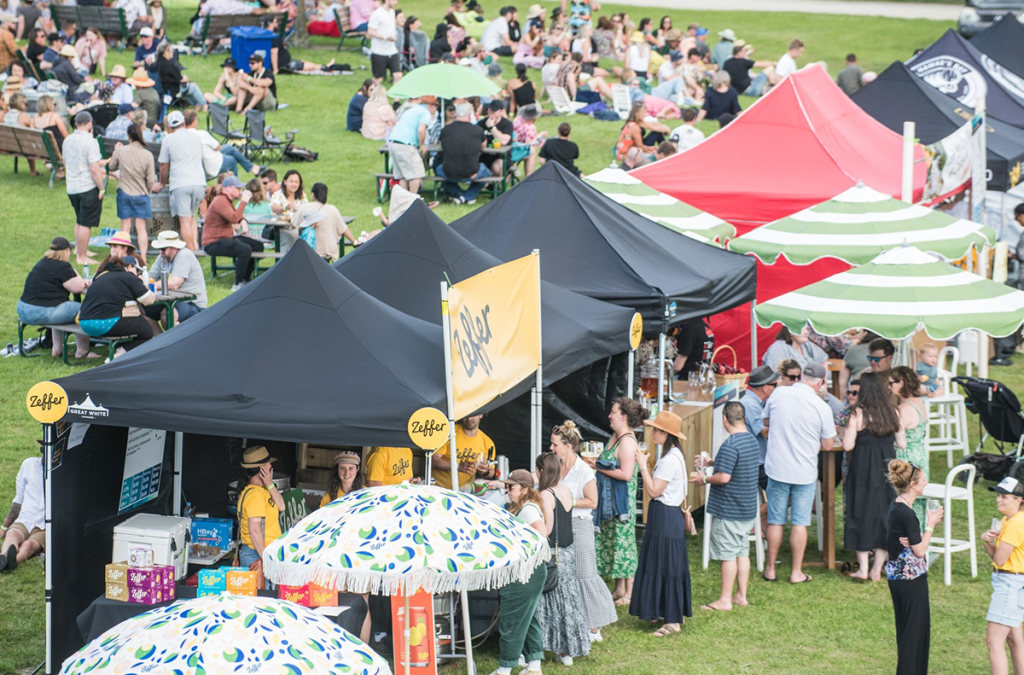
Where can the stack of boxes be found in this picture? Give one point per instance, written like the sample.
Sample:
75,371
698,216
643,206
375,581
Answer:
234,580
310,595
211,535
144,585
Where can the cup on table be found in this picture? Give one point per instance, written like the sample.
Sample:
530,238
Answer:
693,379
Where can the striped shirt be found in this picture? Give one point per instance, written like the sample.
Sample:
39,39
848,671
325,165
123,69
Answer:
737,499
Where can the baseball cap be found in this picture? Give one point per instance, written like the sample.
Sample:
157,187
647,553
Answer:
229,63
232,181
175,119
146,32
675,55
59,244
702,31
815,370
521,477
125,108
1009,486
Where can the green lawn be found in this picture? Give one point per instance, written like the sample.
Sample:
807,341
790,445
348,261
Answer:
831,624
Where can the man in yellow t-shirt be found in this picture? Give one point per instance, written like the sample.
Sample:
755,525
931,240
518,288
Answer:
389,466
474,449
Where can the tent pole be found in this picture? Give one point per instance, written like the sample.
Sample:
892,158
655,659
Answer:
468,630
49,438
629,373
661,372
753,334
907,191
537,419
405,632
982,336
179,447
453,453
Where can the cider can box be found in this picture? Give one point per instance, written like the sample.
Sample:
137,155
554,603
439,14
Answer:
116,573
297,594
166,574
213,580
320,596
206,592
241,582
145,596
140,557
117,592
145,577
170,593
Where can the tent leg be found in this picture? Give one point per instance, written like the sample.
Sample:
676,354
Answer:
468,629
49,439
179,447
753,335
661,373
982,336
629,373
453,453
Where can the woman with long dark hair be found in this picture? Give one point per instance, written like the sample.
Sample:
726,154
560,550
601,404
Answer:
913,412
907,569
346,479
326,220
871,437
560,612
661,589
790,345
630,147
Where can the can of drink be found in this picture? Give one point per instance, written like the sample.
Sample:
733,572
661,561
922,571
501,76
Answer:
152,288
419,645
502,467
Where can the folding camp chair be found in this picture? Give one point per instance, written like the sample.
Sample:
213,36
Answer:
561,101
258,143
622,102
218,123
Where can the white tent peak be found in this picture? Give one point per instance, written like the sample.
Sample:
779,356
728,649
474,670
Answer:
861,194
905,255
616,176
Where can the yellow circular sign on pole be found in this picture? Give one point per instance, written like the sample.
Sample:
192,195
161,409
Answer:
636,330
47,402
428,428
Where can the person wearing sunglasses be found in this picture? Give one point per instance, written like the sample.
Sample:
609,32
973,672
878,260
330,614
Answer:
796,346
880,353
760,385
789,372
871,438
855,360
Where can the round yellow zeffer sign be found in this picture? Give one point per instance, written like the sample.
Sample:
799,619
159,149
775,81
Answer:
47,402
636,330
428,428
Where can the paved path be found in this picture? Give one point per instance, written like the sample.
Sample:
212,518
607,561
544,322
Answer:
898,10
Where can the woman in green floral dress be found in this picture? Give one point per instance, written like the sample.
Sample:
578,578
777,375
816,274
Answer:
616,542
914,415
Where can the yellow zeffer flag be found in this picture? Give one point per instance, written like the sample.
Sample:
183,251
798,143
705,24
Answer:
495,332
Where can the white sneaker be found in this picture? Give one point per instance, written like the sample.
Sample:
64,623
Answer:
522,661
595,636
565,660
237,286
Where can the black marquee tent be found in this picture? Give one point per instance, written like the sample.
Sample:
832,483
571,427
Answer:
898,96
1002,41
420,250
959,70
596,247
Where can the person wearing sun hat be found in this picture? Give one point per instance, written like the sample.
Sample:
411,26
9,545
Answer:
184,274
123,92
661,588
723,50
66,73
145,95
259,506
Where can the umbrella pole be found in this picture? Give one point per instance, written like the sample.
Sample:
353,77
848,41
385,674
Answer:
537,417
453,453
405,631
179,444
629,373
49,439
468,629
753,334
661,372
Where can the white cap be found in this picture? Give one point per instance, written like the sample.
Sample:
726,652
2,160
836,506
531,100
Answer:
146,31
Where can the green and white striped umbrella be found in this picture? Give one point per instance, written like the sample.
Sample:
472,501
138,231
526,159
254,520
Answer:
859,224
660,207
897,293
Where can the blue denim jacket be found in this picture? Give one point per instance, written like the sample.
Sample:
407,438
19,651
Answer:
612,495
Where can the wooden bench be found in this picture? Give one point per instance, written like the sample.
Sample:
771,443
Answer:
72,329
109,20
34,144
492,184
345,28
218,27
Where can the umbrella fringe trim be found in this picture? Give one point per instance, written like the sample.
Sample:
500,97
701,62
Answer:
392,583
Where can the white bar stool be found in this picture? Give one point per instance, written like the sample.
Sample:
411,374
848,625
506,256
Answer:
946,545
949,415
755,537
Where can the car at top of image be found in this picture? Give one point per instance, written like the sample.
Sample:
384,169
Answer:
977,15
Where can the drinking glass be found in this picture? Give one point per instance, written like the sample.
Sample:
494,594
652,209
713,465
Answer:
693,379
997,524
642,445
934,505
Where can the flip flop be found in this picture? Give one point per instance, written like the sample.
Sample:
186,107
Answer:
806,580
709,608
665,631
624,601
771,581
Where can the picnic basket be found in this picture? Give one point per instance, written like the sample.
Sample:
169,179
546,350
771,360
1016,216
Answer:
720,379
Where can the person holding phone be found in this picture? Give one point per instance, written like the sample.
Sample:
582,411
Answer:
223,219
259,506
1006,548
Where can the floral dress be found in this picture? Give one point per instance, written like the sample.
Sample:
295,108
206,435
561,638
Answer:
917,453
616,542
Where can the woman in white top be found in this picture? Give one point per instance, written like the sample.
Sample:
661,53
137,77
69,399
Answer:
518,627
638,56
286,202
598,606
797,346
660,592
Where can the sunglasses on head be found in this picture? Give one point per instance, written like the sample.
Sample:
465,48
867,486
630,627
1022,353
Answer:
875,359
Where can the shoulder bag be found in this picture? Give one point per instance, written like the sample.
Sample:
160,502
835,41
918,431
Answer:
552,563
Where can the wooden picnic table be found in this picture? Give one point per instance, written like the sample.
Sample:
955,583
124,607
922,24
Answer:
274,222
496,153
169,299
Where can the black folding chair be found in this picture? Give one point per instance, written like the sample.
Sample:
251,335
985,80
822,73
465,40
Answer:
218,123
259,143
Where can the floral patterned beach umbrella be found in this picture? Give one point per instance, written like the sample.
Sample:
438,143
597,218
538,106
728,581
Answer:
222,634
398,538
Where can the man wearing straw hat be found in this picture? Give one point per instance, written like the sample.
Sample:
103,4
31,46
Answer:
184,274
145,95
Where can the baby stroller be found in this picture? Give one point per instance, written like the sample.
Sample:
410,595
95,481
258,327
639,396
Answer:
999,418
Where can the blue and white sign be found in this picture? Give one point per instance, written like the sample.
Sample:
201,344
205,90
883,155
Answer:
143,463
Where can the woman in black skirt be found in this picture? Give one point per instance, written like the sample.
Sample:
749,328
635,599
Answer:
661,588
871,438
907,569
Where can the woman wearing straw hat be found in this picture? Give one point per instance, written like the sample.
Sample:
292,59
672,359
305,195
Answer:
659,591
259,506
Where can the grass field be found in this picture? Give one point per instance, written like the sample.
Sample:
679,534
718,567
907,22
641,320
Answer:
830,625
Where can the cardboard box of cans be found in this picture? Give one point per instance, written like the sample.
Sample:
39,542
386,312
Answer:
310,595
144,585
235,580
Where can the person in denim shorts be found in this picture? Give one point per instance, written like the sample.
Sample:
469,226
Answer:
1006,548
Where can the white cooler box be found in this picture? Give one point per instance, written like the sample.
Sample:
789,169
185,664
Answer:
167,536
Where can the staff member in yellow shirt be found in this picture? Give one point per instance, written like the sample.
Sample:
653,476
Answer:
1006,548
259,506
473,447
345,479
389,466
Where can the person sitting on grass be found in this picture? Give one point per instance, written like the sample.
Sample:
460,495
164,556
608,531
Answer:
24,527
721,98
687,135
562,150
175,82
732,500
225,92
257,90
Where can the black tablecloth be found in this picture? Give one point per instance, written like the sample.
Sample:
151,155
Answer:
104,614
